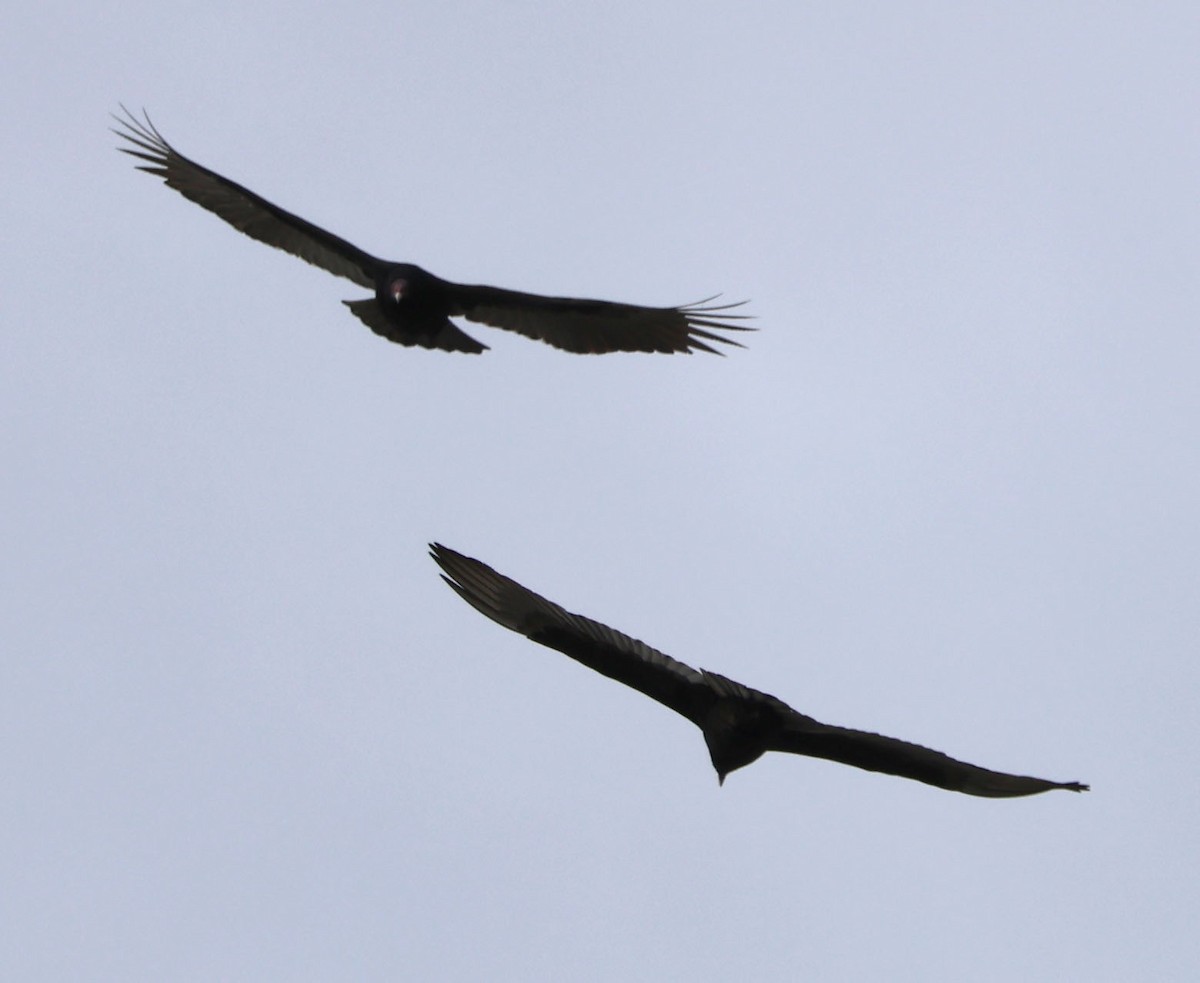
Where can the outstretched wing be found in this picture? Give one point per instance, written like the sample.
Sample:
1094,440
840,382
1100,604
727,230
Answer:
242,208
597,326
874,752
597,646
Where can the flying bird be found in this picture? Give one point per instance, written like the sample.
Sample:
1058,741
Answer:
412,306
739,724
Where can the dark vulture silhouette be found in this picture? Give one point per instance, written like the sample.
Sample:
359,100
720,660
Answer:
412,306
739,723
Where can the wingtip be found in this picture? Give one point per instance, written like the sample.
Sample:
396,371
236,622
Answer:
442,555
144,126
704,314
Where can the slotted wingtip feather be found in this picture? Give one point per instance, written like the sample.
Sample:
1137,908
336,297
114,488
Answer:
705,314
587,326
475,583
150,145
606,650
494,595
237,205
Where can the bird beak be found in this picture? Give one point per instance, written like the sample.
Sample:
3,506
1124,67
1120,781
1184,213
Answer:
720,778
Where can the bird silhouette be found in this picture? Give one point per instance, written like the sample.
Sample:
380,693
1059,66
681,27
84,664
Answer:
739,724
412,306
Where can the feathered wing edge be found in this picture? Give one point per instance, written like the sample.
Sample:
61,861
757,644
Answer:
242,208
591,327
606,650
874,752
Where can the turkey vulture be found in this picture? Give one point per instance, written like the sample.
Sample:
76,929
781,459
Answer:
739,723
414,307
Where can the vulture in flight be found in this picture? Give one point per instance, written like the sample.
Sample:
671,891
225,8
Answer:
414,307
739,723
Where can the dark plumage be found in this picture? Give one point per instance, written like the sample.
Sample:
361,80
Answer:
739,723
414,307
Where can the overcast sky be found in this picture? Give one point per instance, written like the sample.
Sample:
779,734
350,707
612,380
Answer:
948,492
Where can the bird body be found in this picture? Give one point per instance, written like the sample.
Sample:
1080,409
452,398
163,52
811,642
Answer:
413,307
739,724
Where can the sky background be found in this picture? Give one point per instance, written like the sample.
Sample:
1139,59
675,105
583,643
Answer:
948,492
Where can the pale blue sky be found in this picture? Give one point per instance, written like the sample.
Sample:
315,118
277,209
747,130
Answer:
948,493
